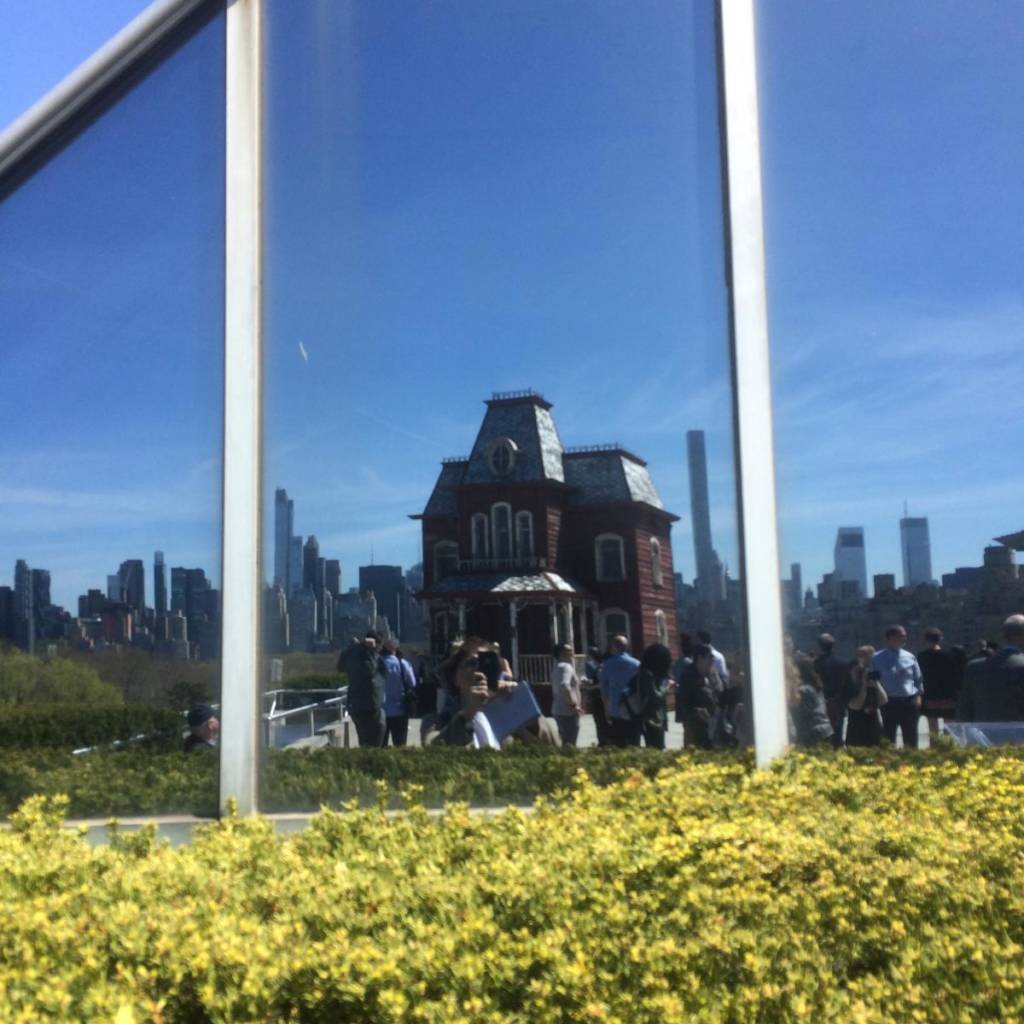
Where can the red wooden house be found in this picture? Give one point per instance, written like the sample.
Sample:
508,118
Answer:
529,543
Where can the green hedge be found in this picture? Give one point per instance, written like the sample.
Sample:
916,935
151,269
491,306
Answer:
27,726
141,781
828,889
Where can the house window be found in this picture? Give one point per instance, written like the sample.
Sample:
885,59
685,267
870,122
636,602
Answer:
480,538
611,558
503,456
656,562
614,622
661,627
524,534
501,529
446,559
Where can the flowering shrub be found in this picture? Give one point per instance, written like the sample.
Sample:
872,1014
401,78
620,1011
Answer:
822,890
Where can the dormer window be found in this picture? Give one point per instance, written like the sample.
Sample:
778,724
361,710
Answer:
502,456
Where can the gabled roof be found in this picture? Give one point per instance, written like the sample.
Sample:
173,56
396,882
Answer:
608,477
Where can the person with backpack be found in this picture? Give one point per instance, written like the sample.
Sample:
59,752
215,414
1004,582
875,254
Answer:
617,670
644,697
700,697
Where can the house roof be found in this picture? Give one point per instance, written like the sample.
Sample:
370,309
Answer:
504,583
599,475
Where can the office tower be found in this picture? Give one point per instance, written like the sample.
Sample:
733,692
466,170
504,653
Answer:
388,585
796,578
159,583
850,560
133,583
91,604
302,615
115,590
310,556
916,546
333,574
294,566
24,617
6,614
41,607
710,573
284,525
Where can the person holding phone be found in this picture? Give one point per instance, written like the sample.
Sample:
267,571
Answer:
864,720
475,674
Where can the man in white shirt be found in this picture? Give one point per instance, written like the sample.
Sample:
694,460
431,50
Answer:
717,658
903,685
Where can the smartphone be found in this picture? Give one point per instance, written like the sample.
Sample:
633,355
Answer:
491,667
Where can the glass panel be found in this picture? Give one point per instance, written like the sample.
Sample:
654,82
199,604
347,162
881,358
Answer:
892,153
497,332
111,298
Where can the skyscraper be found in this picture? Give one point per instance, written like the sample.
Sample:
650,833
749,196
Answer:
24,617
159,583
850,559
294,565
284,525
916,546
710,574
388,585
333,567
133,583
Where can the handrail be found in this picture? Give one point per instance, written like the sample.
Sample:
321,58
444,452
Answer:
42,121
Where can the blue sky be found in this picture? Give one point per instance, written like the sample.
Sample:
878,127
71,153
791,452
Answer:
494,196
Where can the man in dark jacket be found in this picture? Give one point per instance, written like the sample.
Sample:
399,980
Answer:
833,673
993,689
360,662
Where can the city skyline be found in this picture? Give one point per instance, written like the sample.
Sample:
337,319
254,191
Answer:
891,259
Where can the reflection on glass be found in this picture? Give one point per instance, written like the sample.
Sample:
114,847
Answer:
111,295
498,389
893,201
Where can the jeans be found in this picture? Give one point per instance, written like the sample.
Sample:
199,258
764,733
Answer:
904,713
568,729
370,728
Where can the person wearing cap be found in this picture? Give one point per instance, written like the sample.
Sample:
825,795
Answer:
204,728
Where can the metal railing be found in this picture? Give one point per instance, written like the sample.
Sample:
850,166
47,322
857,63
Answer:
274,717
534,563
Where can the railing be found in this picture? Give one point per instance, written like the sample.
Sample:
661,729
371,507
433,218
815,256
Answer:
276,717
531,562
536,668
503,396
586,449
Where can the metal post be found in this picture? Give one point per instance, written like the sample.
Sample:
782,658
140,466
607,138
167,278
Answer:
243,335
513,613
752,394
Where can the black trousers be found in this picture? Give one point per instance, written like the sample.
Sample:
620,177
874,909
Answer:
902,713
654,736
370,728
397,728
626,733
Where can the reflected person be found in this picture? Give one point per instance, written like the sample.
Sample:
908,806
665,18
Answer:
204,728
360,662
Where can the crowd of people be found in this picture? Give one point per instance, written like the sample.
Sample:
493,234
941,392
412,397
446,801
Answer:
879,694
884,693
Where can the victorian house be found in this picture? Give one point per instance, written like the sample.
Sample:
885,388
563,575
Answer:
529,543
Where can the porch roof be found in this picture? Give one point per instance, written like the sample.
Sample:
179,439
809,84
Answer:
504,583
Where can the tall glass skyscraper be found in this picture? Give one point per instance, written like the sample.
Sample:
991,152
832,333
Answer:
284,523
850,559
916,546
710,574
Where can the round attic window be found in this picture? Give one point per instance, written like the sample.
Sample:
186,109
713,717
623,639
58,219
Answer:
503,456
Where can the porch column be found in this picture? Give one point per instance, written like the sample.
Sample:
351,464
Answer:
513,616
554,623
461,605
584,633
570,632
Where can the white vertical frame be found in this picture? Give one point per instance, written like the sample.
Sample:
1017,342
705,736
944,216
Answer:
243,345
752,392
